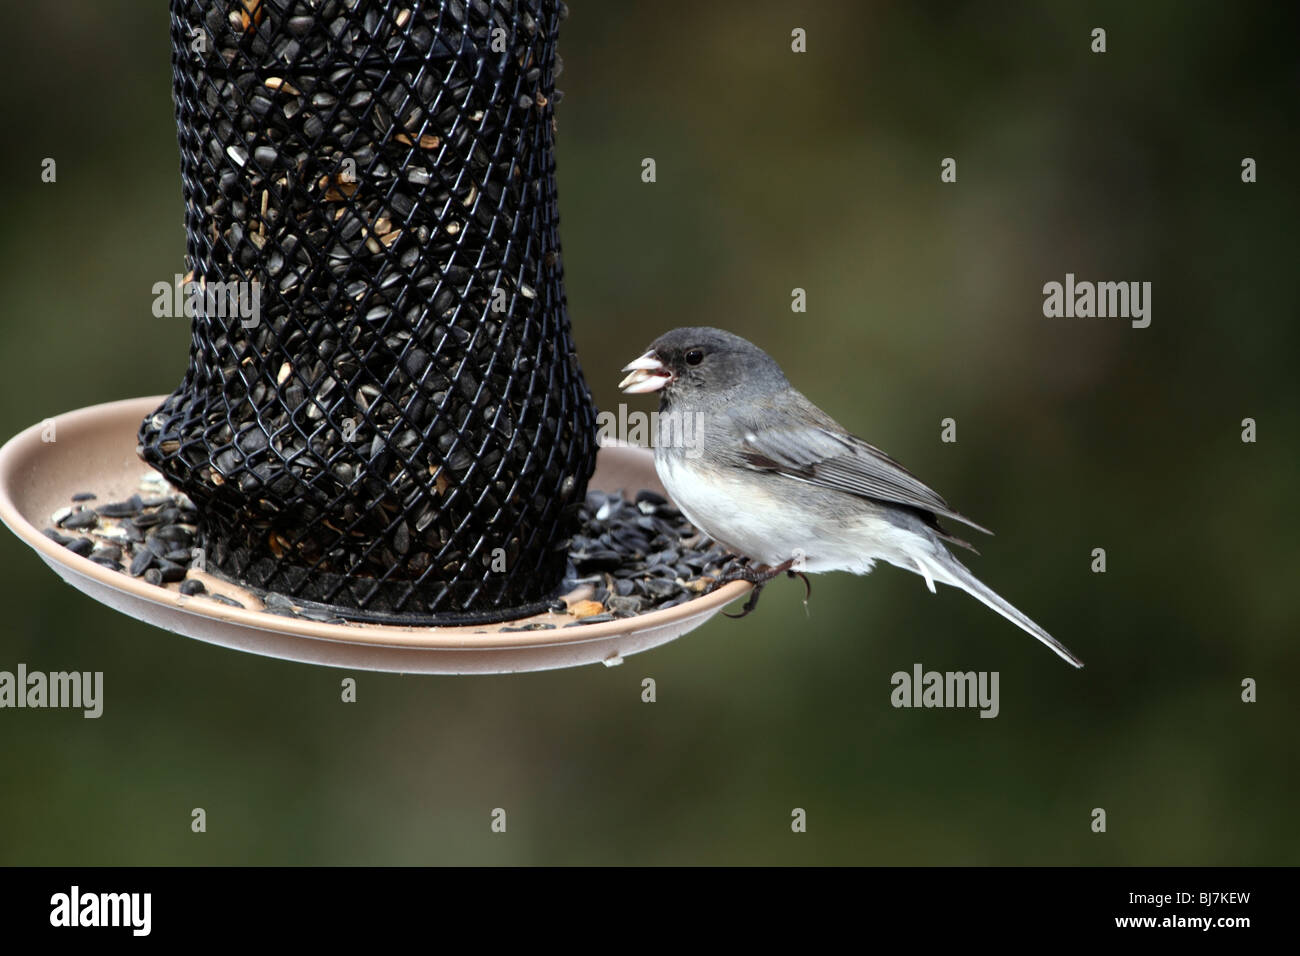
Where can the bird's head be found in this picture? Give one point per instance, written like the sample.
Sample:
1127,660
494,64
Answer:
699,363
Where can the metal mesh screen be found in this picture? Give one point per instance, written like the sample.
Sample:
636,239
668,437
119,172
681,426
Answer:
383,409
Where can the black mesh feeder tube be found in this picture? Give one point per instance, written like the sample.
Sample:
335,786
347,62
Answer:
383,411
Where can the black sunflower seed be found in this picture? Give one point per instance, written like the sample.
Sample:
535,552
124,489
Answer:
81,520
142,562
170,571
81,546
594,619
121,509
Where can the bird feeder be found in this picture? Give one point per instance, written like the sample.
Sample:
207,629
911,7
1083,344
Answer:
383,423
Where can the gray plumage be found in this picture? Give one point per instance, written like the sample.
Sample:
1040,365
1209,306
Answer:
765,472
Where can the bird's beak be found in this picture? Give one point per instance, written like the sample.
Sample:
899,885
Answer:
648,375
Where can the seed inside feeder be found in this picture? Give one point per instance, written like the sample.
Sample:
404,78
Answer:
330,183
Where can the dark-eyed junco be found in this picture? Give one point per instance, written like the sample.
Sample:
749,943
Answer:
767,474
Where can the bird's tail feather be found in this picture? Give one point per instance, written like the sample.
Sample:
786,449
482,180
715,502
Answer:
947,569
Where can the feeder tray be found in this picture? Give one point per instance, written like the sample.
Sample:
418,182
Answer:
94,451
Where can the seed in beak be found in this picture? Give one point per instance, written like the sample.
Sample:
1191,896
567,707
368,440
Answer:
648,375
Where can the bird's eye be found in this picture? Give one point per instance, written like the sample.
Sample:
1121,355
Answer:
694,356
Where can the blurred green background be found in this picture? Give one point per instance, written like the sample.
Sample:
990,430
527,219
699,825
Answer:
775,171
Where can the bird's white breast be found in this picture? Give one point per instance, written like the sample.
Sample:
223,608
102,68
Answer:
753,517
733,514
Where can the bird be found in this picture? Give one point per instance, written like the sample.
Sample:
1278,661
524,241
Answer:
765,473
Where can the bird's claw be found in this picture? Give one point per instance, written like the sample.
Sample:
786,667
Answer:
748,605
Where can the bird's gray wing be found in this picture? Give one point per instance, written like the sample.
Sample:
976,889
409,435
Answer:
835,459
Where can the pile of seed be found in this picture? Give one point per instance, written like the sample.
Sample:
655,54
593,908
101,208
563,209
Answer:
636,555
384,171
150,536
641,555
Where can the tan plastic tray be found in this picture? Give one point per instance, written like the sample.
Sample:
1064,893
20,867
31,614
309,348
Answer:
94,450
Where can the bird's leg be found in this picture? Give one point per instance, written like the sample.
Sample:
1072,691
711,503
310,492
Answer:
757,576
754,574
